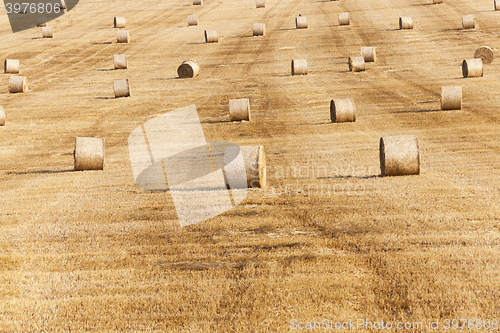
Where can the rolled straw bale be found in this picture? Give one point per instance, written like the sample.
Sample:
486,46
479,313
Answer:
120,61
399,155
122,36
197,2
485,53
342,110
405,22
369,54
2,116
357,64
472,67
497,4
299,67
47,32
259,29
119,22
254,159
192,20
17,84
188,68
438,1
63,4
344,18
451,98
260,3
211,36
468,21
41,21
89,154
11,66
121,88
239,109
301,22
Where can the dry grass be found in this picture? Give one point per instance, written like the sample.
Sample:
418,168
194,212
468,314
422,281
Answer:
91,251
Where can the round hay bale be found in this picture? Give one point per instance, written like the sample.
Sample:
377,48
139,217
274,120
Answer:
369,54
211,36
451,98
472,67
299,67
254,159
344,18
405,22
192,20
122,36
41,21
357,64
120,61
259,29
89,154
47,32
399,155
17,84
301,22
119,22
11,66
260,3
63,4
197,2
239,109
2,116
121,88
497,4
468,21
188,68
438,1
485,53
342,110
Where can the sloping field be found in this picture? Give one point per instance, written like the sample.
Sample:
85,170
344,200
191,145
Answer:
329,239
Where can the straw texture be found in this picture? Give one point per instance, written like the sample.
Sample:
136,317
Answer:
119,22
356,64
259,29
47,32
299,67
260,3
89,154
122,36
451,98
2,116
188,69
369,54
485,53
11,66
399,155
254,158
239,109
211,36
17,84
342,110
472,67
468,21
120,61
405,22
301,22
121,88
192,20
344,18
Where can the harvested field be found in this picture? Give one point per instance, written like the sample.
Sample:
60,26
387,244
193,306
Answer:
328,239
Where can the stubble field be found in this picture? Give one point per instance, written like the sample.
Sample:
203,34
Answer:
328,239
